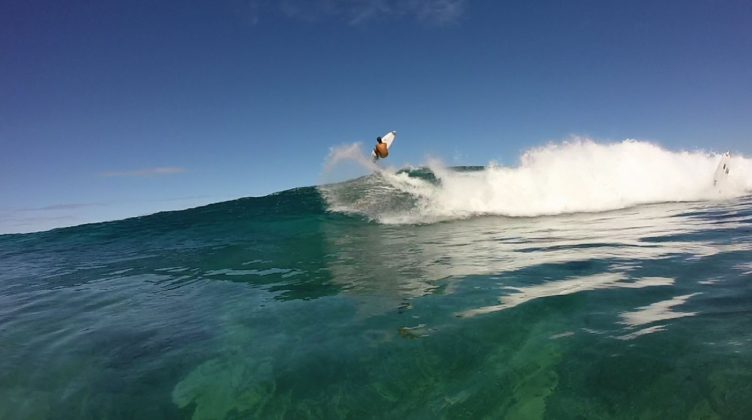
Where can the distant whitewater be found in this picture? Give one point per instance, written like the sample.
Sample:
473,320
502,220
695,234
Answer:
575,176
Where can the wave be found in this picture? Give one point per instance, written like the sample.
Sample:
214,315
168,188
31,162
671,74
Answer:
580,175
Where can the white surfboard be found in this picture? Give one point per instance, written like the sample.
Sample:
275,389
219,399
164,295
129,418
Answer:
387,138
722,171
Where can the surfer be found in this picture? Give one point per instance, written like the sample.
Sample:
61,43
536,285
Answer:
381,150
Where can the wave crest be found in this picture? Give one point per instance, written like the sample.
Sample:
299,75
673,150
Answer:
575,176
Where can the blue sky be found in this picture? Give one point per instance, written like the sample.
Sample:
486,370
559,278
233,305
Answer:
111,109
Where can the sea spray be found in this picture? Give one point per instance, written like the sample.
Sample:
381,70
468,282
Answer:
579,175
346,162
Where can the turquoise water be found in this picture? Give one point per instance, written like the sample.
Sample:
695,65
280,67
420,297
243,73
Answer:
275,307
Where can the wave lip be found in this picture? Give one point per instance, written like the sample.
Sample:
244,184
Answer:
576,176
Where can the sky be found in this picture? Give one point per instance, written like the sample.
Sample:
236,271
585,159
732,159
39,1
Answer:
111,109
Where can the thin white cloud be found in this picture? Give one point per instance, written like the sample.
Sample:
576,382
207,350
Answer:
438,11
165,170
362,11
30,221
187,197
64,206
354,12
9,211
34,219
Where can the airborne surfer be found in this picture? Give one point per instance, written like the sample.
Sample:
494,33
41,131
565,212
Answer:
381,150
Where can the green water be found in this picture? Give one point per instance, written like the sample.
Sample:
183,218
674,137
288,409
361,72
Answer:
276,308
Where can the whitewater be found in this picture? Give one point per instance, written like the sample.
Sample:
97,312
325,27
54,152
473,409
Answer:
579,175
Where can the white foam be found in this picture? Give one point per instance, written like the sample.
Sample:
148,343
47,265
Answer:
579,175
522,295
659,311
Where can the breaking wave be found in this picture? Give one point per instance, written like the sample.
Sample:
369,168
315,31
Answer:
575,176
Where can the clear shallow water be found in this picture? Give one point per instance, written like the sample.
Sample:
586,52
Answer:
275,308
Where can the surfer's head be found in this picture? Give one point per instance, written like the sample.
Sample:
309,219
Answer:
378,139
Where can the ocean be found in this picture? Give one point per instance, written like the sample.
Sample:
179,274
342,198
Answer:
590,281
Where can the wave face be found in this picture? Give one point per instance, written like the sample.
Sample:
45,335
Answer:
576,176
